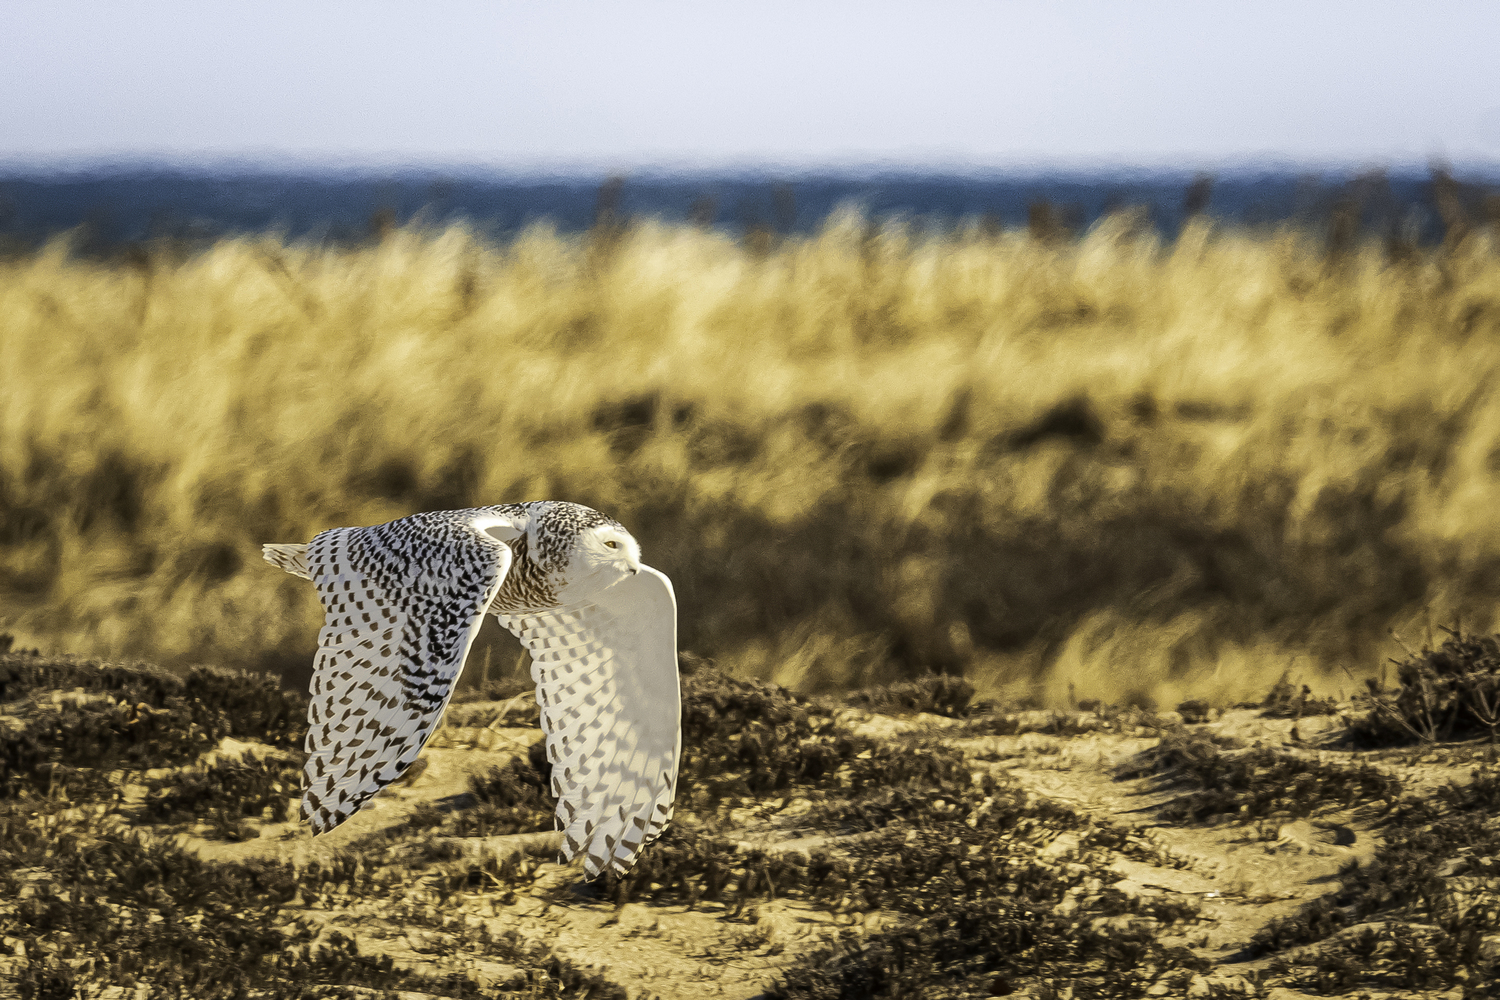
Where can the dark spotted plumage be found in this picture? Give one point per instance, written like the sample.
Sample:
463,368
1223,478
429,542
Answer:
541,553
403,603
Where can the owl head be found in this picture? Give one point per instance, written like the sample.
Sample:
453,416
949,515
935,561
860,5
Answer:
602,555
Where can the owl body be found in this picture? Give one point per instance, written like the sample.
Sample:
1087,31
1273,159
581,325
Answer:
403,601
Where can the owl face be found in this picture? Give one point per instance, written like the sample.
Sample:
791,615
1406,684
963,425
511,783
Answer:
604,554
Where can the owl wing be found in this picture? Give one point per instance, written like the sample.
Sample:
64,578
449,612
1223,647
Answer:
403,602
606,676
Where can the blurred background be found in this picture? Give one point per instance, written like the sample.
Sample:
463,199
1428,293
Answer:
1135,352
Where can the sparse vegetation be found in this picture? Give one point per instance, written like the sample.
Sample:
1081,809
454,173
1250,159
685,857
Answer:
87,901
68,749
513,798
1448,693
249,704
938,694
1195,711
986,911
1287,700
957,856
1422,907
748,739
226,792
966,883
1257,782
93,905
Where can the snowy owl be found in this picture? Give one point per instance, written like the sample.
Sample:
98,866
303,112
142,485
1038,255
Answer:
404,601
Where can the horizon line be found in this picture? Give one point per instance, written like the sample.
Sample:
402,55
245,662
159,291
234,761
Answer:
229,166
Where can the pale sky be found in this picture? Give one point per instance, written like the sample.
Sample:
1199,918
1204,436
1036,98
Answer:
631,84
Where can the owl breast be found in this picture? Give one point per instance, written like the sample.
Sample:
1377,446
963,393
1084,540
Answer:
527,586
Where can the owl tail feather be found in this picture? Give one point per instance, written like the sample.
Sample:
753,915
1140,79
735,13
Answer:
292,558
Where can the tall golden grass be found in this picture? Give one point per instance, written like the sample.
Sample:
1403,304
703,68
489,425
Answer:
1128,466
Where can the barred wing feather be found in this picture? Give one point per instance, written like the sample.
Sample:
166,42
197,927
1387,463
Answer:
606,675
403,601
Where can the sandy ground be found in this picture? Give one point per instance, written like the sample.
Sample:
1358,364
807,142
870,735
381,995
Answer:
1242,874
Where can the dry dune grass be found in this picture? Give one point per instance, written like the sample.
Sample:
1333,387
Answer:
1143,469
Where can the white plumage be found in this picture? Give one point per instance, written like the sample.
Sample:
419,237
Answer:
404,601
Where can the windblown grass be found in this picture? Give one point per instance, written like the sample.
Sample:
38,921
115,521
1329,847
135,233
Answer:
860,455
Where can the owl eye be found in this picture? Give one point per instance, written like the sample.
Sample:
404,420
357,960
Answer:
612,544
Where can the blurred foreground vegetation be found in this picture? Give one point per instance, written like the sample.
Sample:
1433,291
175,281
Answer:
1110,467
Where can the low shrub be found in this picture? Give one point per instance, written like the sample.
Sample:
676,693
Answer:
513,798
1254,783
226,792
1288,700
77,742
939,694
1448,693
1434,869
253,705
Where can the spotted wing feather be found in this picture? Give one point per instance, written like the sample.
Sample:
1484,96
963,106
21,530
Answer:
606,676
403,601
